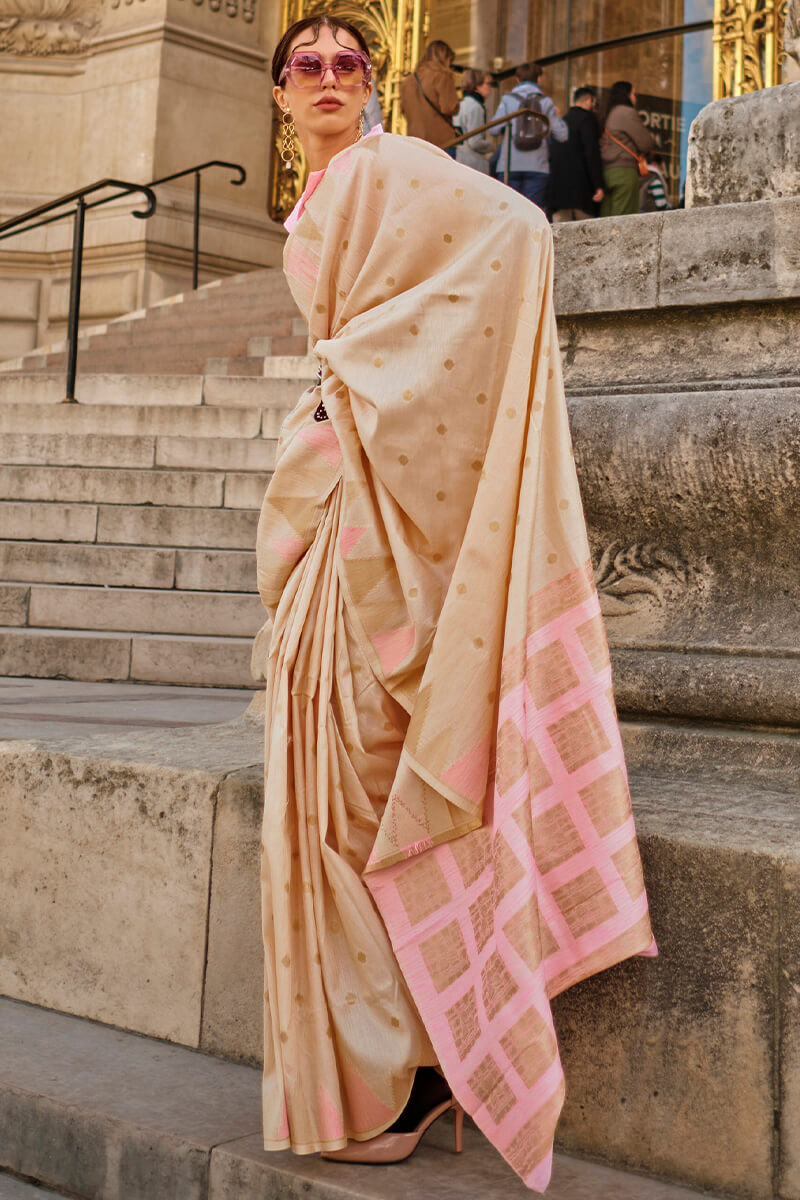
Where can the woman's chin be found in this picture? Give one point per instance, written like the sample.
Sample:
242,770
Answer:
332,122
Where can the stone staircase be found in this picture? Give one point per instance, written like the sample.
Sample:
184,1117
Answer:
127,520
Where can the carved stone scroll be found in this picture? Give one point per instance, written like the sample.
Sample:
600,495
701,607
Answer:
46,27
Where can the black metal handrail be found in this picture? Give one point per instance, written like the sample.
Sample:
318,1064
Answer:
196,171
464,137
28,220
628,39
25,222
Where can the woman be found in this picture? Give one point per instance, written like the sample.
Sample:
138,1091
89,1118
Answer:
429,96
437,680
625,139
475,151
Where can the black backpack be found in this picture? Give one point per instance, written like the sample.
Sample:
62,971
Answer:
528,133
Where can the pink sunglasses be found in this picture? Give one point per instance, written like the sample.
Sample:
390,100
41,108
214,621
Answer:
306,69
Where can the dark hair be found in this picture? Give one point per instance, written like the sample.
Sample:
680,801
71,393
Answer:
586,90
438,51
472,79
314,23
620,94
528,72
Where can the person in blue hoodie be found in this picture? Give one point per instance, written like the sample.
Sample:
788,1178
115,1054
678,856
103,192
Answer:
530,169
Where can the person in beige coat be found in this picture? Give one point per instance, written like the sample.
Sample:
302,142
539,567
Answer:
429,96
625,139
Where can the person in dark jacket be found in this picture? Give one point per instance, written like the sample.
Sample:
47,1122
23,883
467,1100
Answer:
576,171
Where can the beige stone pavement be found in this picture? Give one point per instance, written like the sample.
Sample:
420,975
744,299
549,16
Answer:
58,708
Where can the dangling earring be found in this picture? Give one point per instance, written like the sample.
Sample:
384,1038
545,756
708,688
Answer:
361,124
288,146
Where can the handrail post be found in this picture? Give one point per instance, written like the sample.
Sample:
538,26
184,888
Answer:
75,297
196,252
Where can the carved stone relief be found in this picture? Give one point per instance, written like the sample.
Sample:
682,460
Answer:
791,31
231,8
629,578
45,27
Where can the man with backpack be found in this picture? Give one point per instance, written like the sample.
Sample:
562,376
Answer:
530,158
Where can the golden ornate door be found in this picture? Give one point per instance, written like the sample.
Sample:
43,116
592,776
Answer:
747,45
393,29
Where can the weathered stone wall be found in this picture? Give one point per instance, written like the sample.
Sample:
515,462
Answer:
746,148
146,90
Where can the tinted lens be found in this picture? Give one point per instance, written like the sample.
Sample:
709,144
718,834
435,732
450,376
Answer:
349,69
306,70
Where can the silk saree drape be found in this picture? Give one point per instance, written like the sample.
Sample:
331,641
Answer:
440,724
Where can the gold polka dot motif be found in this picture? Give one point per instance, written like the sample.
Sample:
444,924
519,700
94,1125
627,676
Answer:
441,430
477,643
458,193
395,1023
461,589
477,464
362,958
496,264
390,280
401,233
447,237
408,394
413,592
481,398
551,558
378,361
448,364
379,184
453,298
284,1037
494,526
286,960
413,330
320,308
403,460
441,495
488,331
503,205
414,183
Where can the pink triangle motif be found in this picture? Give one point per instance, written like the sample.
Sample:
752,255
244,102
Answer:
468,775
323,439
350,535
393,647
287,547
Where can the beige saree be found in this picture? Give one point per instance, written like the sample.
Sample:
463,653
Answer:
448,839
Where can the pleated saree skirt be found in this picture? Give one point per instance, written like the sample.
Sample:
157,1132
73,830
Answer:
342,1034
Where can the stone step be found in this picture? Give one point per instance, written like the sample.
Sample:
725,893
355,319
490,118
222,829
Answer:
13,1188
110,450
145,658
139,610
122,566
133,525
136,420
106,1115
128,566
154,390
194,528
81,450
88,485
104,485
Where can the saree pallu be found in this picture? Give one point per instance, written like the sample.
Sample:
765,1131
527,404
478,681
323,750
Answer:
423,546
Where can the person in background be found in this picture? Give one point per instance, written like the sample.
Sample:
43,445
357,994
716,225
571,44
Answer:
653,192
530,169
475,151
429,96
625,139
576,172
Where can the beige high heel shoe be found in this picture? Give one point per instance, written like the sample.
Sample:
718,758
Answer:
394,1147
